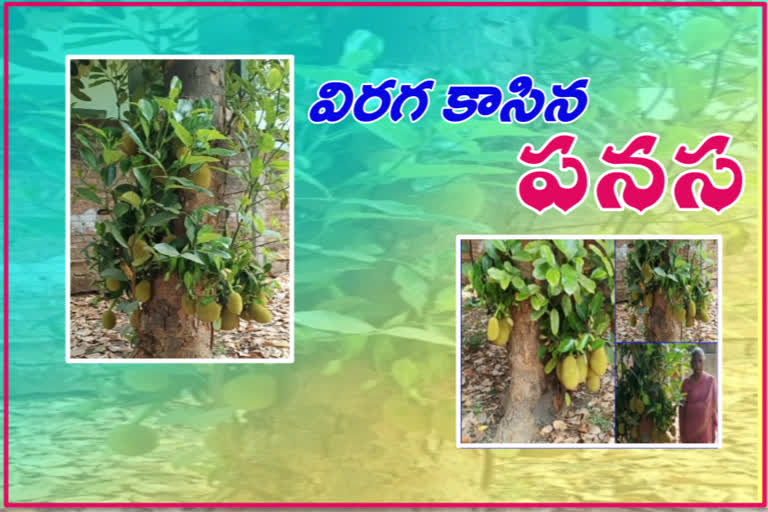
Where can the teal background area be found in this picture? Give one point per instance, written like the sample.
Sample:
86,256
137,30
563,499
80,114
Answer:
366,413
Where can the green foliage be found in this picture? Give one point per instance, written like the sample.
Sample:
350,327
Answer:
649,389
675,266
146,169
568,283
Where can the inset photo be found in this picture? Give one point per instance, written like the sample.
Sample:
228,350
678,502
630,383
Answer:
536,354
179,219
667,290
668,393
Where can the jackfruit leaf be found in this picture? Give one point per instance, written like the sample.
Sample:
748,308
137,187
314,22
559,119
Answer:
498,244
184,136
538,301
274,79
587,283
192,256
116,234
554,320
522,295
499,275
186,184
175,88
280,165
160,219
566,345
113,273
406,373
599,274
207,237
89,194
112,155
257,167
147,109
569,278
137,140
209,134
660,271
567,247
553,276
333,322
199,159
131,198
518,283
542,351
596,303
167,104
566,304
166,249
547,253
267,143
536,314
551,364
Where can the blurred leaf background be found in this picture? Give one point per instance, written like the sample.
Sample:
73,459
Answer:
367,411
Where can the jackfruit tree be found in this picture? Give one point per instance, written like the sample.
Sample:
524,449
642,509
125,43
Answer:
551,305
668,286
648,392
176,251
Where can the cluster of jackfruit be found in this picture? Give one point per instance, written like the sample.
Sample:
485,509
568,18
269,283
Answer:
499,330
231,312
573,370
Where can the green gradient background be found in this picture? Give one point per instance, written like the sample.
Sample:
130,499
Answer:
367,412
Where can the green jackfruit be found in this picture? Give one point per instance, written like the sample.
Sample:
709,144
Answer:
679,315
621,428
493,329
235,303
648,300
208,312
570,373
635,296
187,305
581,362
144,291
132,439
229,321
703,315
113,285
598,361
647,273
202,177
504,330
593,383
260,313
128,145
633,320
108,320
141,252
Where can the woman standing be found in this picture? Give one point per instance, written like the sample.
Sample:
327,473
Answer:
698,414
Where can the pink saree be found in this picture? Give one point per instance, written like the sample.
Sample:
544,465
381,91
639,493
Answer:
698,415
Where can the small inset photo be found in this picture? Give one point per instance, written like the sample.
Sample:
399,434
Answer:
667,290
536,358
179,218
668,393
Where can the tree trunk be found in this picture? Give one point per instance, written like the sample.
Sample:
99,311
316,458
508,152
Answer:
528,380
662,324
165,331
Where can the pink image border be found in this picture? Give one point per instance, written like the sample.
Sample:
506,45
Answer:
764,280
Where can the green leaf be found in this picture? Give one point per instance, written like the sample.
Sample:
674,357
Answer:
566,345
554,320
567,399
660,271
184,136
175,88
542,351
334,322
536,314
501,276
199,159
570,279
599,274
113,273
167,104
547,253
274,79
160,219
538,301
553,276
143,181
596,303
166,249
257,167
568,247
267,143
587,283
280,165
136,139
499,245
191,256
551,364
518,283
207,237
566,304
132,198
89,194
210,134
147,110
187,184
116,234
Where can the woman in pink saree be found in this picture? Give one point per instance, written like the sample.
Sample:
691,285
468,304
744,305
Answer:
698,414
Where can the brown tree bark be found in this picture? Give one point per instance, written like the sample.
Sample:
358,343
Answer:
528,382
662,324
165,331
